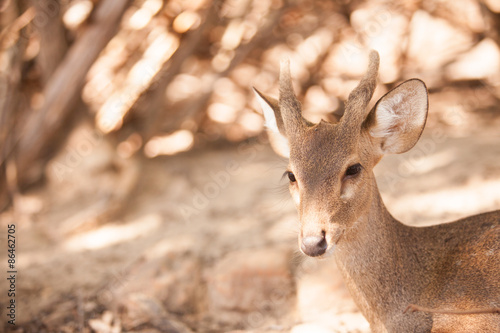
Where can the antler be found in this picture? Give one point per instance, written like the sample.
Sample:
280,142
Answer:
288,103
359,98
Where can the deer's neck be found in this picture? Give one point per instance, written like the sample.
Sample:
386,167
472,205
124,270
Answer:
376,257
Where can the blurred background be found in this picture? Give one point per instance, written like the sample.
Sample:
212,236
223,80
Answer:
135,165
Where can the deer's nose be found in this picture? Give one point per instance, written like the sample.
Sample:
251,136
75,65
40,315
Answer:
313,246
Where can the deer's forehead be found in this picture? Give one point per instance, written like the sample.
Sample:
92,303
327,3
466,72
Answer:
322,148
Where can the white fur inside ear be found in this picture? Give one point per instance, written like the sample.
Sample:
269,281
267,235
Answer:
400,117
387,116
269,115
279,144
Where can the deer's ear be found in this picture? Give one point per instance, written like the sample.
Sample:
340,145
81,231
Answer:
272,114
274,123
398,118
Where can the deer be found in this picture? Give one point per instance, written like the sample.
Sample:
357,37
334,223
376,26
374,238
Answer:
440,278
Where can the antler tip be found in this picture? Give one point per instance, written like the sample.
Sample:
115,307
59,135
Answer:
374,58
374,54
285,65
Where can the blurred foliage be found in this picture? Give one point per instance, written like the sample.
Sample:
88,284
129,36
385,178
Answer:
160,77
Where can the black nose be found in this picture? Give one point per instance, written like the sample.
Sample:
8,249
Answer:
313,246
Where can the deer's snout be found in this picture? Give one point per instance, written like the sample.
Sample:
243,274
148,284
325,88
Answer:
314,245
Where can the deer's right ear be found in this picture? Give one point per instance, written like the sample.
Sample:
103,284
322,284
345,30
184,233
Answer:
274,123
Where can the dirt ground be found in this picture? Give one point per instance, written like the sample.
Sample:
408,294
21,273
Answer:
207,243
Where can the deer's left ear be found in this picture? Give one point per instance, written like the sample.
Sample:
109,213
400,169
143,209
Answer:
272,114
398,118
274,123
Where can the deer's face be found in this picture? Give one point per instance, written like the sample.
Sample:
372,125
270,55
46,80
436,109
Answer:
329,178
330,164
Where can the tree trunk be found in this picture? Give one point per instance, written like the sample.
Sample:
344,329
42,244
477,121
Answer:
63,89
53,44
13,46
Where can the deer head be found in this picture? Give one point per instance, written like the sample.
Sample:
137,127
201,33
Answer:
330,164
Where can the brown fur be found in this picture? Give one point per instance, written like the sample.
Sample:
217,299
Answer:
387,265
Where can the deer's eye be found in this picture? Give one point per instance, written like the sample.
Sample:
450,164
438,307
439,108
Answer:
291,176
353,170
